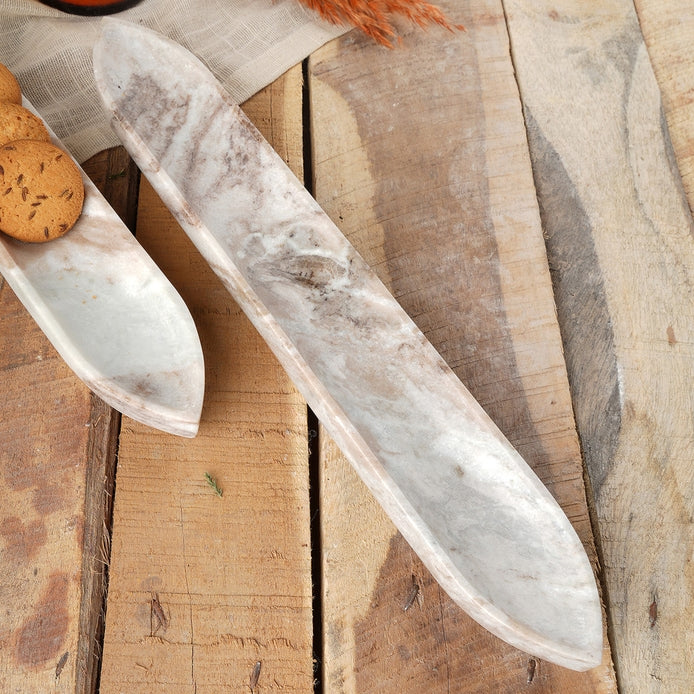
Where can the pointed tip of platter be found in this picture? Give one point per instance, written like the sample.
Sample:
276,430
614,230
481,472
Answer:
578,645
534,588
113,34
168,401
584,660
580,658
565,626
504,550
105,52
571,637
586,652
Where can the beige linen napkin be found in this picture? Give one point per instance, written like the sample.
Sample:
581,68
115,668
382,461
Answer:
245,43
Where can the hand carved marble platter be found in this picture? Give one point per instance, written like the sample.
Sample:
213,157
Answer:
112,315
464,499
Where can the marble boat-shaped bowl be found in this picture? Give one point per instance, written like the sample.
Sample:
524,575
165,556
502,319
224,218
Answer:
468,504
112,315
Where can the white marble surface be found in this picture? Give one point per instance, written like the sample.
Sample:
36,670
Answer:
113,316
460,494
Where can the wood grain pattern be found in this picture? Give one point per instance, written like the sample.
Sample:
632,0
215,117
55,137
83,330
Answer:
619,236
42,516
668,30
204,587
431,180
57,453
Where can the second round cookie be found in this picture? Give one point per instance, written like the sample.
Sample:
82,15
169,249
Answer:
18,123
41,191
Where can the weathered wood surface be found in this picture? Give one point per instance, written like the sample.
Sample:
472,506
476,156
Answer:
42,488
421,158
212,593
619,236
668,30
57,451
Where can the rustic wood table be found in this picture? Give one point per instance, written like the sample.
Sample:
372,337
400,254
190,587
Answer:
522,188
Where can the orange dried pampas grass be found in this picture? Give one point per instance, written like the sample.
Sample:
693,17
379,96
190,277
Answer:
372,16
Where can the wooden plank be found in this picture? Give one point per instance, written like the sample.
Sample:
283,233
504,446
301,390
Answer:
212,593
57,451
420,157
668,30
619,236
116,176
44,460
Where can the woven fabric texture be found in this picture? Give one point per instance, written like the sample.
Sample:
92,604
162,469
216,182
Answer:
246,44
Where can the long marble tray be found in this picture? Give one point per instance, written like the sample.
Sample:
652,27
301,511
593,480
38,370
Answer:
465,500
112,315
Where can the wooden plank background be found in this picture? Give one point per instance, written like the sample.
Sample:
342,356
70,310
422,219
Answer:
619,238
668,28
445,162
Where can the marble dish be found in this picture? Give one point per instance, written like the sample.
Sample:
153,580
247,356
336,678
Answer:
473,510
112,315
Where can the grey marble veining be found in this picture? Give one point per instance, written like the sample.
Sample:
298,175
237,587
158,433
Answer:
464,499
112,315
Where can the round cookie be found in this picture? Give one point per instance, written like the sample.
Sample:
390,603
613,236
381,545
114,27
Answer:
41,191
18,123
9,87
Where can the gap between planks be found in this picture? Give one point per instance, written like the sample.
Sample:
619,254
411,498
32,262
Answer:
313,426
117,178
